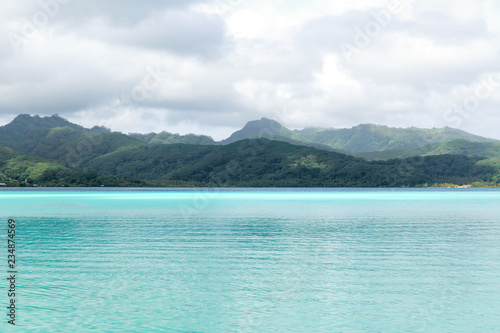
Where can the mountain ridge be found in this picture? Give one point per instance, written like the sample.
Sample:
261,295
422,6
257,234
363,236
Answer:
358,139
265,163
80,156
21,170
87,154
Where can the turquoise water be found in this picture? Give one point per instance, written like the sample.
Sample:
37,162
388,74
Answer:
254,260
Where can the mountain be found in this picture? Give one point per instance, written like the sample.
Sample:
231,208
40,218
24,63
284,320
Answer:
272,130
467,148
453,147
42,136
17,169
361,138
169,138
56,138
260,128
365,138
262,162
24,131
53,151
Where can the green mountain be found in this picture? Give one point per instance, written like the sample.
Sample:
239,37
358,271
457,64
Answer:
364,138
169,138
262,162
454,147
58,139
361,138
24,131
17,169
489,151
261,128
467,148
62,153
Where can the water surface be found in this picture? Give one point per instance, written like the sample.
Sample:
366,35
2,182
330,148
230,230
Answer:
246,260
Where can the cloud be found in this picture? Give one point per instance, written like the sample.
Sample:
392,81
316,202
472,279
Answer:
184,32
116,12
212,65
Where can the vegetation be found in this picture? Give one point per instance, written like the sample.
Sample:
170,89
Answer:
453,147
54,152
262,162
362,138
56,138
20,170
169,138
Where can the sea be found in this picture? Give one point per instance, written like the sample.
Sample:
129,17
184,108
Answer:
250,260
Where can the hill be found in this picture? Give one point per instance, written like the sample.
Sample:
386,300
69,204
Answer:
56,138
19,170
261,128
45,136
169,138
262,162
55,151
361,138
453,147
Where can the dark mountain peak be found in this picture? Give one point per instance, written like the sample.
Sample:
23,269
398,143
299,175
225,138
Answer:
25,132
22,116
259,128
361,138
264,123
41,122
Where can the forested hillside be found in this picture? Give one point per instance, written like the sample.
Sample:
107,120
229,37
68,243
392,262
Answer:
51,151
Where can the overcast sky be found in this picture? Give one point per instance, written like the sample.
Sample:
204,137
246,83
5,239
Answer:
210,66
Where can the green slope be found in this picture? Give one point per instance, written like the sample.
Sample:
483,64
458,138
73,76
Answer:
17,169
262,162
365,138
169,138
248,162
454,147
362,138
301,143
262,128
467,148
56,138
25,131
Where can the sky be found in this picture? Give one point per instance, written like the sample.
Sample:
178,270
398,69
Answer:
209,66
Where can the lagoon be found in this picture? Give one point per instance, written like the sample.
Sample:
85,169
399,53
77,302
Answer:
254,260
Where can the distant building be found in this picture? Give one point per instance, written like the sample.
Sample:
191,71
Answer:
3,184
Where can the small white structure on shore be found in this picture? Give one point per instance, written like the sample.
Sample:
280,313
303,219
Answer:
3,184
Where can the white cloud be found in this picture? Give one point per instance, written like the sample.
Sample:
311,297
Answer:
224,62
